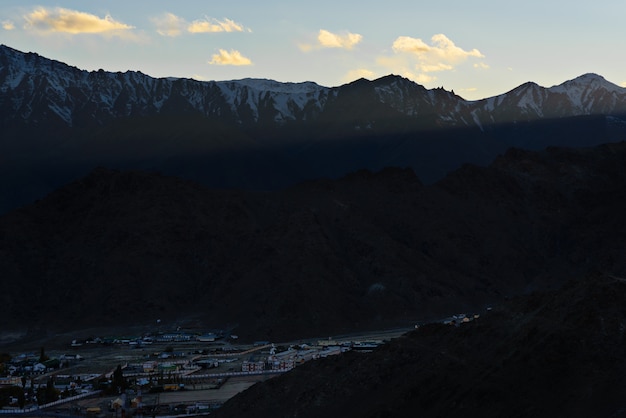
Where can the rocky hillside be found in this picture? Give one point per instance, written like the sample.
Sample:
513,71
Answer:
365,251
552,354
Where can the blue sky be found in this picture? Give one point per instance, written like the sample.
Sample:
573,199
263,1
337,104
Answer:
477,48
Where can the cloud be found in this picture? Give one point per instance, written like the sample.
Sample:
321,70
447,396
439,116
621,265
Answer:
441,55
420,78
332,40
433,68
417,60
408,44
73,22
306,47
232,57
359,73
326,39
8,25
199,77
209,25
403,66
171,25
623,84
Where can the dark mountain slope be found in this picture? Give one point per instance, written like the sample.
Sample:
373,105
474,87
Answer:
554,354
368,250
58,122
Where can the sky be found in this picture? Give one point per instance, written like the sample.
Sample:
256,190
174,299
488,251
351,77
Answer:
477,48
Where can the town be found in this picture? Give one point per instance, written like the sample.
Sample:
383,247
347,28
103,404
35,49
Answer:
160,373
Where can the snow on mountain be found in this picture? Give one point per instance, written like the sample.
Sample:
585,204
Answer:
287,100
29,82
591,93
402,94
412,99
525,102
36,90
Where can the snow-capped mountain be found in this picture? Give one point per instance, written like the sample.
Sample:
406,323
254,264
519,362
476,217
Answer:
36,91
589,94
57,122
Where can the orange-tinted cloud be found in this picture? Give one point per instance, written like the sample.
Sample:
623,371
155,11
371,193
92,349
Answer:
74,22
441,55
346,40
232,57
8,25
418,60
326,39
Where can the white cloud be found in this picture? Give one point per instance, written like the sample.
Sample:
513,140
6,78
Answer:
74,22
481,66
359,73
232,57
623,84
8,25
171,25
209,25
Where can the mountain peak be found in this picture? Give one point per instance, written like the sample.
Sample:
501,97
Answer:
591,80
391,78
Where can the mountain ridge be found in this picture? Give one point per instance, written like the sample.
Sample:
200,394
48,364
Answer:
59,122
256,93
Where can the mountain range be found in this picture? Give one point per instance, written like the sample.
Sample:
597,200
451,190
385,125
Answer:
58,122
36,90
